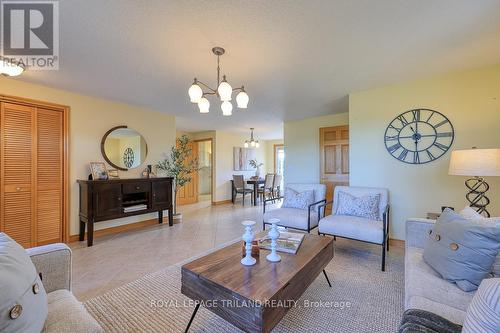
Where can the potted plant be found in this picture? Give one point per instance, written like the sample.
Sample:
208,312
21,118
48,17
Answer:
256,165
180,165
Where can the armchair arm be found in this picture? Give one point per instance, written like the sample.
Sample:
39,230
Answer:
309,212
385,220
53,262
270,199
326,203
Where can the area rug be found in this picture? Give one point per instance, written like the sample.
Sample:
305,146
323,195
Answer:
362,299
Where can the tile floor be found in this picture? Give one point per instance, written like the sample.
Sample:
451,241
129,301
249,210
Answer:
117,259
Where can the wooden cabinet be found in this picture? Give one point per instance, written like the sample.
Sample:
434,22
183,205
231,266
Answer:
33,169
102,200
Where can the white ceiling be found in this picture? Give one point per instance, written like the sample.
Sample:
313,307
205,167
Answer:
296,58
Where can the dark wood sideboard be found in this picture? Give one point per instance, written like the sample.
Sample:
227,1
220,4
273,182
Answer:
103,200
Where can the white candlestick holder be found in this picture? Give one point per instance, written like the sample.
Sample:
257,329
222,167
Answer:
247,237
274,234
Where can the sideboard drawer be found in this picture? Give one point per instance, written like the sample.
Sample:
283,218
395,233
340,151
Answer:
136,187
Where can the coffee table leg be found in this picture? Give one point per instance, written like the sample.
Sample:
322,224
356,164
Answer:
192,317
327,279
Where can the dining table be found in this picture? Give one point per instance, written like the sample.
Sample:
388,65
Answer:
250,181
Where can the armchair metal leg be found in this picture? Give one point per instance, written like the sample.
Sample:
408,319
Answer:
387,243
383,257
327,279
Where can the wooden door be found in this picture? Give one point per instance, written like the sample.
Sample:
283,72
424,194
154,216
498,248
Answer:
188,193
17,177
334,158
49,176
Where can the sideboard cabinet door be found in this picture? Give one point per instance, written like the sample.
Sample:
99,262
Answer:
162,193
107,200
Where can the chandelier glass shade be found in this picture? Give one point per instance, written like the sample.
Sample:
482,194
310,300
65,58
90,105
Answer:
224,91
10,68
252,142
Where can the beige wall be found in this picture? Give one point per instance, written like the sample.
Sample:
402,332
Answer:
225,142
269,146
90,118
302,147
471,100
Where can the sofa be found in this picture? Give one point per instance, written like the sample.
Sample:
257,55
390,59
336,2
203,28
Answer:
65,312
424,288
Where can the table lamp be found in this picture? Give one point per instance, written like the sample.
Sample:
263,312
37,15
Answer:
476,163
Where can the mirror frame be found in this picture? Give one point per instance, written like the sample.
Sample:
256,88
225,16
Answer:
103,152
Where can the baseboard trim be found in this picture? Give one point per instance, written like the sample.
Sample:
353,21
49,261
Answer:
223,202
119,228
397,242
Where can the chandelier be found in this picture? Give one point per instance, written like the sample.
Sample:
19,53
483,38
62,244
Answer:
223,91
252,142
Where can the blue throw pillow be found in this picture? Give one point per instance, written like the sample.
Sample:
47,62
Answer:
460,251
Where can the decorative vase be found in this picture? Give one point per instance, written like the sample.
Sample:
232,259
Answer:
248,238
257,172
274,234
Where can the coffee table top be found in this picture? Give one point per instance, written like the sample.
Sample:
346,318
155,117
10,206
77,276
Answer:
261,281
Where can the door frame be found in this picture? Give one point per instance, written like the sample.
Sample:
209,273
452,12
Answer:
275,148
66,191
211,164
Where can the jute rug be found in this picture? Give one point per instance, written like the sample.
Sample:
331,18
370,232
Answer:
362,299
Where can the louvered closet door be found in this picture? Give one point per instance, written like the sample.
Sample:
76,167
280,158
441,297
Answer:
49,180
17,145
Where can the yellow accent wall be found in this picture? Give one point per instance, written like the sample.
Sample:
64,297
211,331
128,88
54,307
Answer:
302,147
470,99
90,118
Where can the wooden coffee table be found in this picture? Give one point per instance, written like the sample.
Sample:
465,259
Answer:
254,298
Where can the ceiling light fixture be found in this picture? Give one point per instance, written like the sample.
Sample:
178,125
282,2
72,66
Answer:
9,67
224,91
252,142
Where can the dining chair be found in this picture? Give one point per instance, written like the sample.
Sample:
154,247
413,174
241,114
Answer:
240,188
267,188
276,190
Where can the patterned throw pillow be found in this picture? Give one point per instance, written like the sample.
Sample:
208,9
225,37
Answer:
483,313
294,199
366,206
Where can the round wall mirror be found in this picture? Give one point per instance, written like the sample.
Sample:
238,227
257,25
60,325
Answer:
124,148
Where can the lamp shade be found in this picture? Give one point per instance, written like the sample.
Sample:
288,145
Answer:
225,91
195,93
475,162
204,105
8,68
242,100
227,108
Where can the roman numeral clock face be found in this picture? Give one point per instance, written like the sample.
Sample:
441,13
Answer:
419,136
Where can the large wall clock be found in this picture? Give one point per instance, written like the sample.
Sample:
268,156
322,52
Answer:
419,136
128,157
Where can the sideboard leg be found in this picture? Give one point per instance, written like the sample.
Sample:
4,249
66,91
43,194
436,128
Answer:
171,216
160,216
81,235
90,233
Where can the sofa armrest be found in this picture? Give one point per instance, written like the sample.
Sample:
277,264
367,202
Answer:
417,230
53,262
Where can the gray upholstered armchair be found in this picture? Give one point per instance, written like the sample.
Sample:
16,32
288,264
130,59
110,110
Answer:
375,231
294,218
66,313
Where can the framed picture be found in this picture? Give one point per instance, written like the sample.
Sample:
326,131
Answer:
242,158
98,171
113,174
